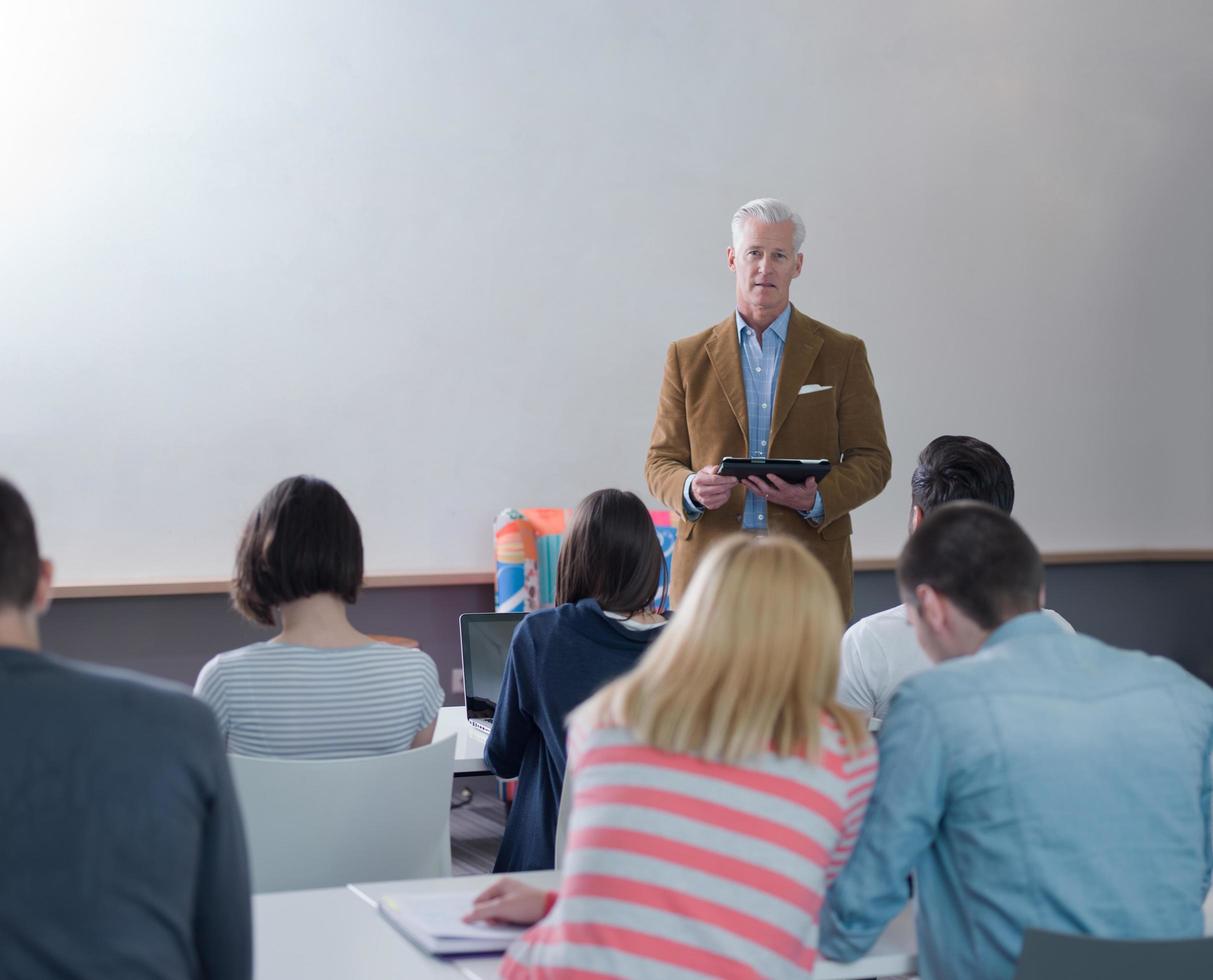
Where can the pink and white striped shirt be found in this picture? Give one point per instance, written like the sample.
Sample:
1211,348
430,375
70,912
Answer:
681,867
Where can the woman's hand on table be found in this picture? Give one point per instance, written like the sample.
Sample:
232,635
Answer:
511,902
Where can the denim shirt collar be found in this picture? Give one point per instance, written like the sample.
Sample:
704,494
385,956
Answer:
1025,624
779,326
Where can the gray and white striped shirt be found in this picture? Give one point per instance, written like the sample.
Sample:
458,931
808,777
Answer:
274,699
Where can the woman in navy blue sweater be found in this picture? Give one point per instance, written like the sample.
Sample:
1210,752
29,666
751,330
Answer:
607,576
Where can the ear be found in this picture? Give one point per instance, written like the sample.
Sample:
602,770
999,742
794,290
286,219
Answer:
932,608
42,592
799,264
732,259
916,516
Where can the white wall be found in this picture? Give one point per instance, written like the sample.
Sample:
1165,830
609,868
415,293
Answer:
434,252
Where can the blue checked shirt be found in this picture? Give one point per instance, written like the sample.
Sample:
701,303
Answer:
760,371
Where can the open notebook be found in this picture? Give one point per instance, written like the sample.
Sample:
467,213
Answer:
434,921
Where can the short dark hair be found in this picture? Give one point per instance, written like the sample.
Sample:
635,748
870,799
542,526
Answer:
977,557
962,468
301,540
610,554
20,564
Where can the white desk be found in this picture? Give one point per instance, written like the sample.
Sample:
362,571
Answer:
895,952
469,751
330,932
327,933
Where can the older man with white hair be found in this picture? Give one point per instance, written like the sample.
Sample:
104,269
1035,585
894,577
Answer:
767,382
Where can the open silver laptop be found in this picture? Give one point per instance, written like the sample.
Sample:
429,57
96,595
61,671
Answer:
484,641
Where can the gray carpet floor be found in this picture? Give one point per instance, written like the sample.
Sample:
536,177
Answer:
476,828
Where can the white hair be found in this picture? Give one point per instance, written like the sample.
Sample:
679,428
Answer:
770,211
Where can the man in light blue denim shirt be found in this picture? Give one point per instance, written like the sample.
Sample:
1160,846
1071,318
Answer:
1033,779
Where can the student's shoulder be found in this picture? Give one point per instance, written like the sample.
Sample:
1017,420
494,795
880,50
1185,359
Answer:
878,627
132,698
1144,674
408,661
556,627
223,665
538,623
239,655
1173,675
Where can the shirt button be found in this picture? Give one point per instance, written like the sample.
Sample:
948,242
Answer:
764,442
759,370
764,404
760,516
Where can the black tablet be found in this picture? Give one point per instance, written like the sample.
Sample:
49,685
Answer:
790,470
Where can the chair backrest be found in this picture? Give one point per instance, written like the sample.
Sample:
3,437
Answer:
321,823
527,546
1055,956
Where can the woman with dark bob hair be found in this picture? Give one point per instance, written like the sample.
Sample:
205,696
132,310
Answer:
607,577
319,689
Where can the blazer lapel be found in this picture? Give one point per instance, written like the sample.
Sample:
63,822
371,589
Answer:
799,352
725,354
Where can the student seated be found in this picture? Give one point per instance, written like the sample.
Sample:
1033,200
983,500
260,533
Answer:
716,788
1034,779
607,577
880,651
319,689
121,846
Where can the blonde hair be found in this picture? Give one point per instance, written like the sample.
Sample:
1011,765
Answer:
748,664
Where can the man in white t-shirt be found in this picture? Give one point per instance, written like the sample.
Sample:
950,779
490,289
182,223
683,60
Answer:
880,651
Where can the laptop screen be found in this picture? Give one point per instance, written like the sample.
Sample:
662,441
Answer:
485,640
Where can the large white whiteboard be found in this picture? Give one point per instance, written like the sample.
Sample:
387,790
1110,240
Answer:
406,245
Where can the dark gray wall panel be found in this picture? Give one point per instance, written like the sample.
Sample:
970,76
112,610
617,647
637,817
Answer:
1164,608
173,636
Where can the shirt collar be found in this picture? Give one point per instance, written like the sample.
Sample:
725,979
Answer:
779,327
1025,624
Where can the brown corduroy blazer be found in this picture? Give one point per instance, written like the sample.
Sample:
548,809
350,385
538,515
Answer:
701,417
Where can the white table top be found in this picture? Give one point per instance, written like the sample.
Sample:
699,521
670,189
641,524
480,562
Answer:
325,933
469,750
331,932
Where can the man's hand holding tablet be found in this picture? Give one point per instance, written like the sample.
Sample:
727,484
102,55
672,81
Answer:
798,496
709,489
788,482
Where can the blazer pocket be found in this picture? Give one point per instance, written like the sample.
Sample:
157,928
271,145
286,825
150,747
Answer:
812,424
837,530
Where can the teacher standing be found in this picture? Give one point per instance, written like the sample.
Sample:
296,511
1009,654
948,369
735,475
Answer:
767,382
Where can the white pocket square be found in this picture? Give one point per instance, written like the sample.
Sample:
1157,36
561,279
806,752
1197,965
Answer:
809,389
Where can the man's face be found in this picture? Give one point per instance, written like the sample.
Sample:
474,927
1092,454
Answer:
765,264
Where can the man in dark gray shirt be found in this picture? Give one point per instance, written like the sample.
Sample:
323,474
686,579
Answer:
121,845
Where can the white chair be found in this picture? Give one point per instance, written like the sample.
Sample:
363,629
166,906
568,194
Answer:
320,823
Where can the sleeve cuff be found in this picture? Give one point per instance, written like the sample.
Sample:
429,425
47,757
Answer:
690,509
814,515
